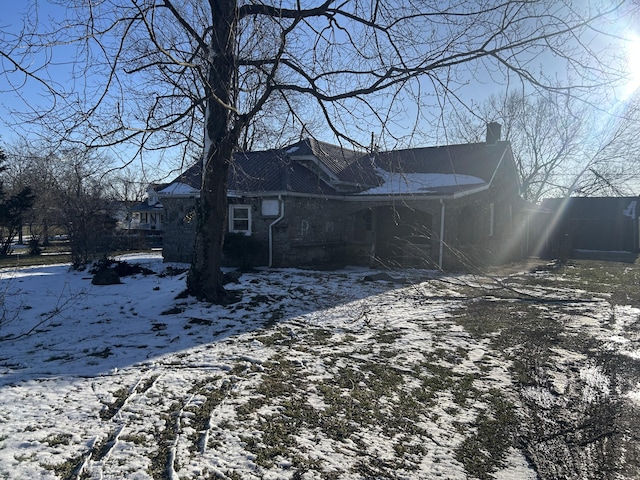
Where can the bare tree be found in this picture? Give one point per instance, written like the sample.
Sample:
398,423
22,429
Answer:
128,184
84,204
153,71
560,144
34,167
612,156
75,192
546,132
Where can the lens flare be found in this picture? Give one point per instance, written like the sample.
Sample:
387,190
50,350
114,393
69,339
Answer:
633,64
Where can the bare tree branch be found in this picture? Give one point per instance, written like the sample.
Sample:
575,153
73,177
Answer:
193,75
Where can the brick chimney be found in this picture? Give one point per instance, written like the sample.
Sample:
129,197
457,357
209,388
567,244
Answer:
494,130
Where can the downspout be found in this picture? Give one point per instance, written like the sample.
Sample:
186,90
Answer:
441,253
271,225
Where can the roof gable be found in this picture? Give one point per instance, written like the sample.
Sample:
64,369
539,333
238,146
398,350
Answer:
337,165
273,171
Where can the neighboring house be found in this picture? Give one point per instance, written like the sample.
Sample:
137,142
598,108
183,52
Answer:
122,214
579,226
149,214
313,203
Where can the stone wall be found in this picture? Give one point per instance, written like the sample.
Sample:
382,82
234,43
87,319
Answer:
319,231
481,229
179,229
314,231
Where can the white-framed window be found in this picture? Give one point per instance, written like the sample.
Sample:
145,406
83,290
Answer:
240,219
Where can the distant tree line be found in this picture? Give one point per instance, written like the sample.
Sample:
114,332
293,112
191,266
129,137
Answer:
15,202
72,192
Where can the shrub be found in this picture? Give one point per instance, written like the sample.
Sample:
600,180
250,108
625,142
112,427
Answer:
243,251
34,247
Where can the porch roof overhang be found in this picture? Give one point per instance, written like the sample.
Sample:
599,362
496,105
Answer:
145,207
435,195
441,194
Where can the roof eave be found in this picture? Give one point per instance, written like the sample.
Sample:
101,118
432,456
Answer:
417,196
351,197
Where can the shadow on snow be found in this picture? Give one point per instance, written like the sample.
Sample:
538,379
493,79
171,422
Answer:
55,323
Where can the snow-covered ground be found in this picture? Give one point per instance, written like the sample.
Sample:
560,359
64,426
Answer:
311,375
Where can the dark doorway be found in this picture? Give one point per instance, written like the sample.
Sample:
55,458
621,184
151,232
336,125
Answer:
403,236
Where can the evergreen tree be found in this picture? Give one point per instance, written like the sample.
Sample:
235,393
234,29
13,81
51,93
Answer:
13,207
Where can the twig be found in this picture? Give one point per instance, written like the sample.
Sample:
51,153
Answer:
58,309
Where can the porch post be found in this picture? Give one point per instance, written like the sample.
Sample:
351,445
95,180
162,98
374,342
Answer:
271,225
441,252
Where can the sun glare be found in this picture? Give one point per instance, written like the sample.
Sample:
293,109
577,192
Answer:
633,64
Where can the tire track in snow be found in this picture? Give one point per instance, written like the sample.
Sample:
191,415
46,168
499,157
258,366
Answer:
100,450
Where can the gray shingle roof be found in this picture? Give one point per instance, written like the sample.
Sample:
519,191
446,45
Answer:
274,171
451,169
475,159
313,167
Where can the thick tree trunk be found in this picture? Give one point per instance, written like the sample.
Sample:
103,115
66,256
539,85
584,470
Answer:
205,276
45,233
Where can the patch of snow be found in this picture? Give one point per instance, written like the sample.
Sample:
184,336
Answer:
397,183
476,354
596,384
634,354
625,315
105,369
618,339
517,468
559,381
25,272
634,394
540,396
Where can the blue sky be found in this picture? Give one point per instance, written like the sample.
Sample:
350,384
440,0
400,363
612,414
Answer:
37,97
11,24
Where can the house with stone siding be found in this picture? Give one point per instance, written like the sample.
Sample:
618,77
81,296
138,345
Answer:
317,204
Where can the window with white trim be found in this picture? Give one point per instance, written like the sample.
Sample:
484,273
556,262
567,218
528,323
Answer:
240,219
